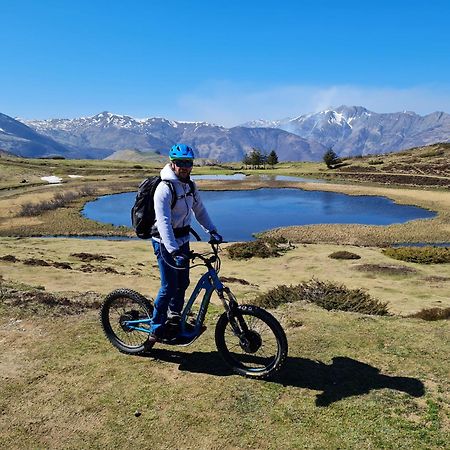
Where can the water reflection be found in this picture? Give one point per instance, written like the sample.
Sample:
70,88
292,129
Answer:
239,214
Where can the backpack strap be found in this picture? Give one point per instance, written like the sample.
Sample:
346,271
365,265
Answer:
174,194
172,191
192,187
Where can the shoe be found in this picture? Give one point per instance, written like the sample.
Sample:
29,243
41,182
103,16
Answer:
173,316
150,342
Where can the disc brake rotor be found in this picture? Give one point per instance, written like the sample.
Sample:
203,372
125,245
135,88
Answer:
251,342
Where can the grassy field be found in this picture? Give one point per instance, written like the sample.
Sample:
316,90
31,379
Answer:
351,380
408,287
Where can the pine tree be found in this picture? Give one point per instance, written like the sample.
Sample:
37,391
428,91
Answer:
330,158
272,159
255,157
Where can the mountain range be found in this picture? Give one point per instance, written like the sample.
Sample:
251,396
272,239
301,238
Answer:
348,130
354,130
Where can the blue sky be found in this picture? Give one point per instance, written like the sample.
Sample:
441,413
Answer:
224,62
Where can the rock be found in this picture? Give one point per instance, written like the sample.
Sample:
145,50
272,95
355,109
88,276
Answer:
137,413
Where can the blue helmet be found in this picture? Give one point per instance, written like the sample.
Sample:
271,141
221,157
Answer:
181,151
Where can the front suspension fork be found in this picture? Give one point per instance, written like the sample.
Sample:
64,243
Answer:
231,306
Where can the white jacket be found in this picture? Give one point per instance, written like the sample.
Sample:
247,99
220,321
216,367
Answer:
180,216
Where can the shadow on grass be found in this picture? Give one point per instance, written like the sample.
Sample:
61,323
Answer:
344,377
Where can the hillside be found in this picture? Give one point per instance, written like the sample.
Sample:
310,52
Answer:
133,155
422,166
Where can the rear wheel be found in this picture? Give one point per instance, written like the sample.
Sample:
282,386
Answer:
120,306
253,344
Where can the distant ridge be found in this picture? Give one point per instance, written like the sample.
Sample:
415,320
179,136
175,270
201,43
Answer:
113,132
349,130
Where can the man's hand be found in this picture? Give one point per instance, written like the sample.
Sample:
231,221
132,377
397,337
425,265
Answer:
216,237
180,259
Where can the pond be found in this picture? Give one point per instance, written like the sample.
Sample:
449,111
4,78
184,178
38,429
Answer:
239,214
242,176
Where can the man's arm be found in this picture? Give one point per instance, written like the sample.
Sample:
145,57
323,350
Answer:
163,214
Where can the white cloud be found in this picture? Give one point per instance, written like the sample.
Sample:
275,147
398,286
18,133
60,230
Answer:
229,104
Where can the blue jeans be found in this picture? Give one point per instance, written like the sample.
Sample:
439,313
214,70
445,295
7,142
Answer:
174,283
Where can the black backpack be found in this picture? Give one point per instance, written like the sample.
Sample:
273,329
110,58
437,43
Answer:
143,210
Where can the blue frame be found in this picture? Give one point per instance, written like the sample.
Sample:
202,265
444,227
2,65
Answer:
209,282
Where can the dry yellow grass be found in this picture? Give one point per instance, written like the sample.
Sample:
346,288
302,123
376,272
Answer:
406,291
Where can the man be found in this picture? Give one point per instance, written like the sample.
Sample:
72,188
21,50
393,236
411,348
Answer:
170,234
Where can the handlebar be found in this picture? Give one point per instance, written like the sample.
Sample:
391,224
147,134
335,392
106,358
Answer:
212,259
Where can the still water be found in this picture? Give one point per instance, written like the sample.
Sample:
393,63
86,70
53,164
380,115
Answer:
239,214
241,177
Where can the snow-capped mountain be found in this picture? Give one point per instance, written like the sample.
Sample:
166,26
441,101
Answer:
354,130
107,131
350,130
21,140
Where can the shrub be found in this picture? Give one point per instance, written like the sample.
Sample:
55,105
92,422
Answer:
431,153
59,199
137,166
432,314
421,255
328,295
246,250
260,248
279,296
87,191
343,254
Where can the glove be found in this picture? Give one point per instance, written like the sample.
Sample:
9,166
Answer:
216,237
180,259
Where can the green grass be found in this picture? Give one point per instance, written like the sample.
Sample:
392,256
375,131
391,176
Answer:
345,386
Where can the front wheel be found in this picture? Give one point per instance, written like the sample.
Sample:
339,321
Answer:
120,307
253,343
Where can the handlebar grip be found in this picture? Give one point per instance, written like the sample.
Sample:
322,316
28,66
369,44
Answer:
213,242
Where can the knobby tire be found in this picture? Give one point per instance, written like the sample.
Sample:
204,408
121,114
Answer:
258,362
123,303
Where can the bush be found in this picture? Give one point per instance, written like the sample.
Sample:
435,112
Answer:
344,255
260,248
421,255
432,314
59,199
431,153
328,295
375,162
137,166
279,296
